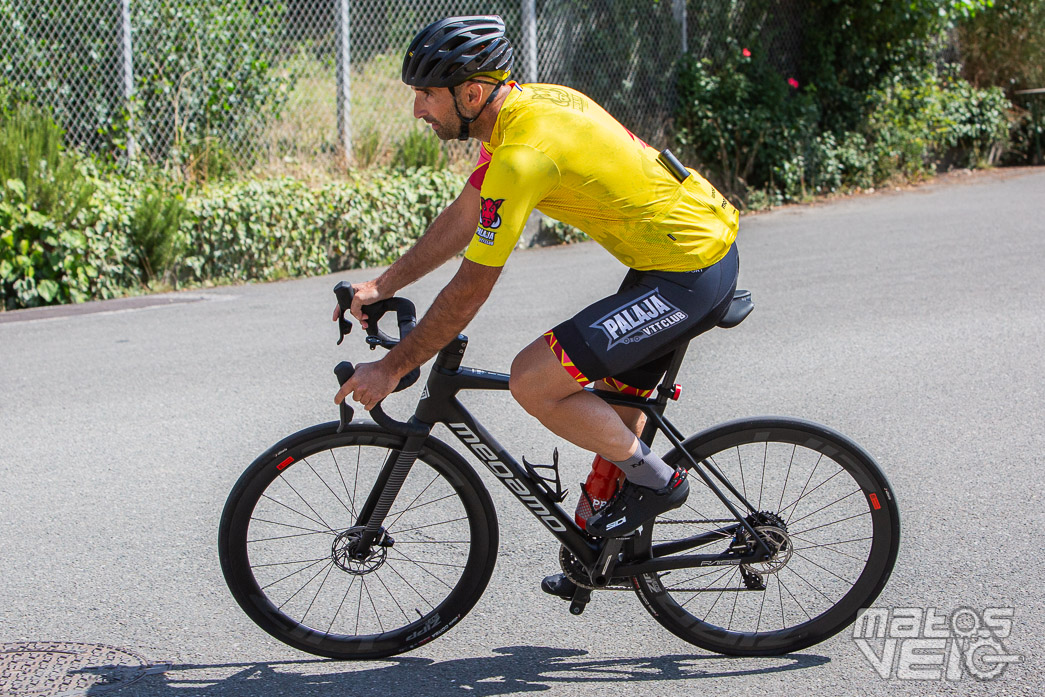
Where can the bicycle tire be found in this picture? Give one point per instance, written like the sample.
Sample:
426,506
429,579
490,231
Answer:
847,543
287,519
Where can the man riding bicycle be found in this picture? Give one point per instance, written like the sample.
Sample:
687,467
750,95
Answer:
554,149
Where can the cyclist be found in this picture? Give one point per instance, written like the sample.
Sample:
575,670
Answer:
552,148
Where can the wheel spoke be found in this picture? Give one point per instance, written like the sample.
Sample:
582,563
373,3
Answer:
806,485
304,568
321,521
838,500
341,604
324,482
431,525
835,522
830,546
762,484
341,475
824,568
794,504
320,587
721,575
294,595
814,479
787,477
294,510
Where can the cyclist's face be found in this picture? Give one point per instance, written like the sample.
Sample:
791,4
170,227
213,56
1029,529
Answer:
436,106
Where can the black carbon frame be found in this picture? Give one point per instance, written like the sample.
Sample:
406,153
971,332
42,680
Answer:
439,404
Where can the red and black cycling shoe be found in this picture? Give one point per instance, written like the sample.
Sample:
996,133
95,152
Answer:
634,505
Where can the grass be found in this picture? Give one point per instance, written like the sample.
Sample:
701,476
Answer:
304,144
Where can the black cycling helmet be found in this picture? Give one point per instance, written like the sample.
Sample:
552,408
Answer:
450,51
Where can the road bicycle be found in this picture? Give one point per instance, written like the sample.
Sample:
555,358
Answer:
358,540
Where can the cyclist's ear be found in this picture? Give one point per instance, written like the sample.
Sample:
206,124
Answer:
473,93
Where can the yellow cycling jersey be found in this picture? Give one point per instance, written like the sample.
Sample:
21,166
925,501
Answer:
556,150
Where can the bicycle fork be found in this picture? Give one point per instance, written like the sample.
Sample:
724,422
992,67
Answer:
371,518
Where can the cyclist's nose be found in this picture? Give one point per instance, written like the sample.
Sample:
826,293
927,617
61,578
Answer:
419,111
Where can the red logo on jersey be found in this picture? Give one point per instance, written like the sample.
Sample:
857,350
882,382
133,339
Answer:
488,216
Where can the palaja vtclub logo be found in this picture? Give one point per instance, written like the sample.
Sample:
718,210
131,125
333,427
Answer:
640,319
489,219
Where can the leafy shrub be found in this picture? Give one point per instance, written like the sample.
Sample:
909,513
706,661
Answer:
154,231
201,69
281,228
923,120
69,49
132,232
739,118
1004,46
32,153
851,46
419,148
44,204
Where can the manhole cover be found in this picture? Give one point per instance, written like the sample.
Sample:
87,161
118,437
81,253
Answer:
63,669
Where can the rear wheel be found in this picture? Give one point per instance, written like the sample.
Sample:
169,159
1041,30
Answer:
821,504
288,533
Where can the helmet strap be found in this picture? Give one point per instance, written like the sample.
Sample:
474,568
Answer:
466,121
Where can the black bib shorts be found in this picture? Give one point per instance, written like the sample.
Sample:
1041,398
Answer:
627,338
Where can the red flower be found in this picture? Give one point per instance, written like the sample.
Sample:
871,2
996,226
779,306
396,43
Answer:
793,82
747,53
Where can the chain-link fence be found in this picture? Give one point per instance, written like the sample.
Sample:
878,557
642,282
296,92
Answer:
292,86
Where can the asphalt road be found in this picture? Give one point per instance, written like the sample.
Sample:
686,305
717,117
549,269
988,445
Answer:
911,321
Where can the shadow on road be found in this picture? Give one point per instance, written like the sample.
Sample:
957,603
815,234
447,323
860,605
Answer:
514,670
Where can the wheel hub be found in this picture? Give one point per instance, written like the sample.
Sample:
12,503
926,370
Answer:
350,558
772,529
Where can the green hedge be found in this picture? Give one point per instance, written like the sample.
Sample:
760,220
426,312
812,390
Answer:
133,233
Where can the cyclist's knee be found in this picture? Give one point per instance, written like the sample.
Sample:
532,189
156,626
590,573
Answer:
522,378
537,377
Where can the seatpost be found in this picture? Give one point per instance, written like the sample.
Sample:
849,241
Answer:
667,385
665,390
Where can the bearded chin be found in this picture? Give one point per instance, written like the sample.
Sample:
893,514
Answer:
443,132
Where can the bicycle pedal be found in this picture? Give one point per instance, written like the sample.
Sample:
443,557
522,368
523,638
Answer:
581,597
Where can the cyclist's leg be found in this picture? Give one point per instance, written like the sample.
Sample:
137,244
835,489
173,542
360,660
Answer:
649,316
634,419
617,336
558,400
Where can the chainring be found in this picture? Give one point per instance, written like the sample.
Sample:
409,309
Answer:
573,569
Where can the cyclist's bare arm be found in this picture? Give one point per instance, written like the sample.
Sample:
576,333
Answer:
448,234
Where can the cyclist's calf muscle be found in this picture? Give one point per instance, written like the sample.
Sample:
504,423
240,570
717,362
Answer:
634,419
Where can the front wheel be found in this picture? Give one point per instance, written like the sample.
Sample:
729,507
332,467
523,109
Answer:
287,544
817,499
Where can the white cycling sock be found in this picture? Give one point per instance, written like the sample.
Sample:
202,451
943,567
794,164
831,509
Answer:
645,468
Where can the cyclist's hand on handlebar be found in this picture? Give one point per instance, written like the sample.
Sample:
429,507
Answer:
371,383
365,294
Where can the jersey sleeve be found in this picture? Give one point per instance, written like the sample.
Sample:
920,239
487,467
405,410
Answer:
516,179
479,171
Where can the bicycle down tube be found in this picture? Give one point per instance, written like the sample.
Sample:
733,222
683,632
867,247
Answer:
439,404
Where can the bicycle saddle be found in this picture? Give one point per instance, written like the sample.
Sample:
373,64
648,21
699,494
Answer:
739,308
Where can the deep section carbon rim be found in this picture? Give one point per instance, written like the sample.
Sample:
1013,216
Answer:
293,563
819,502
